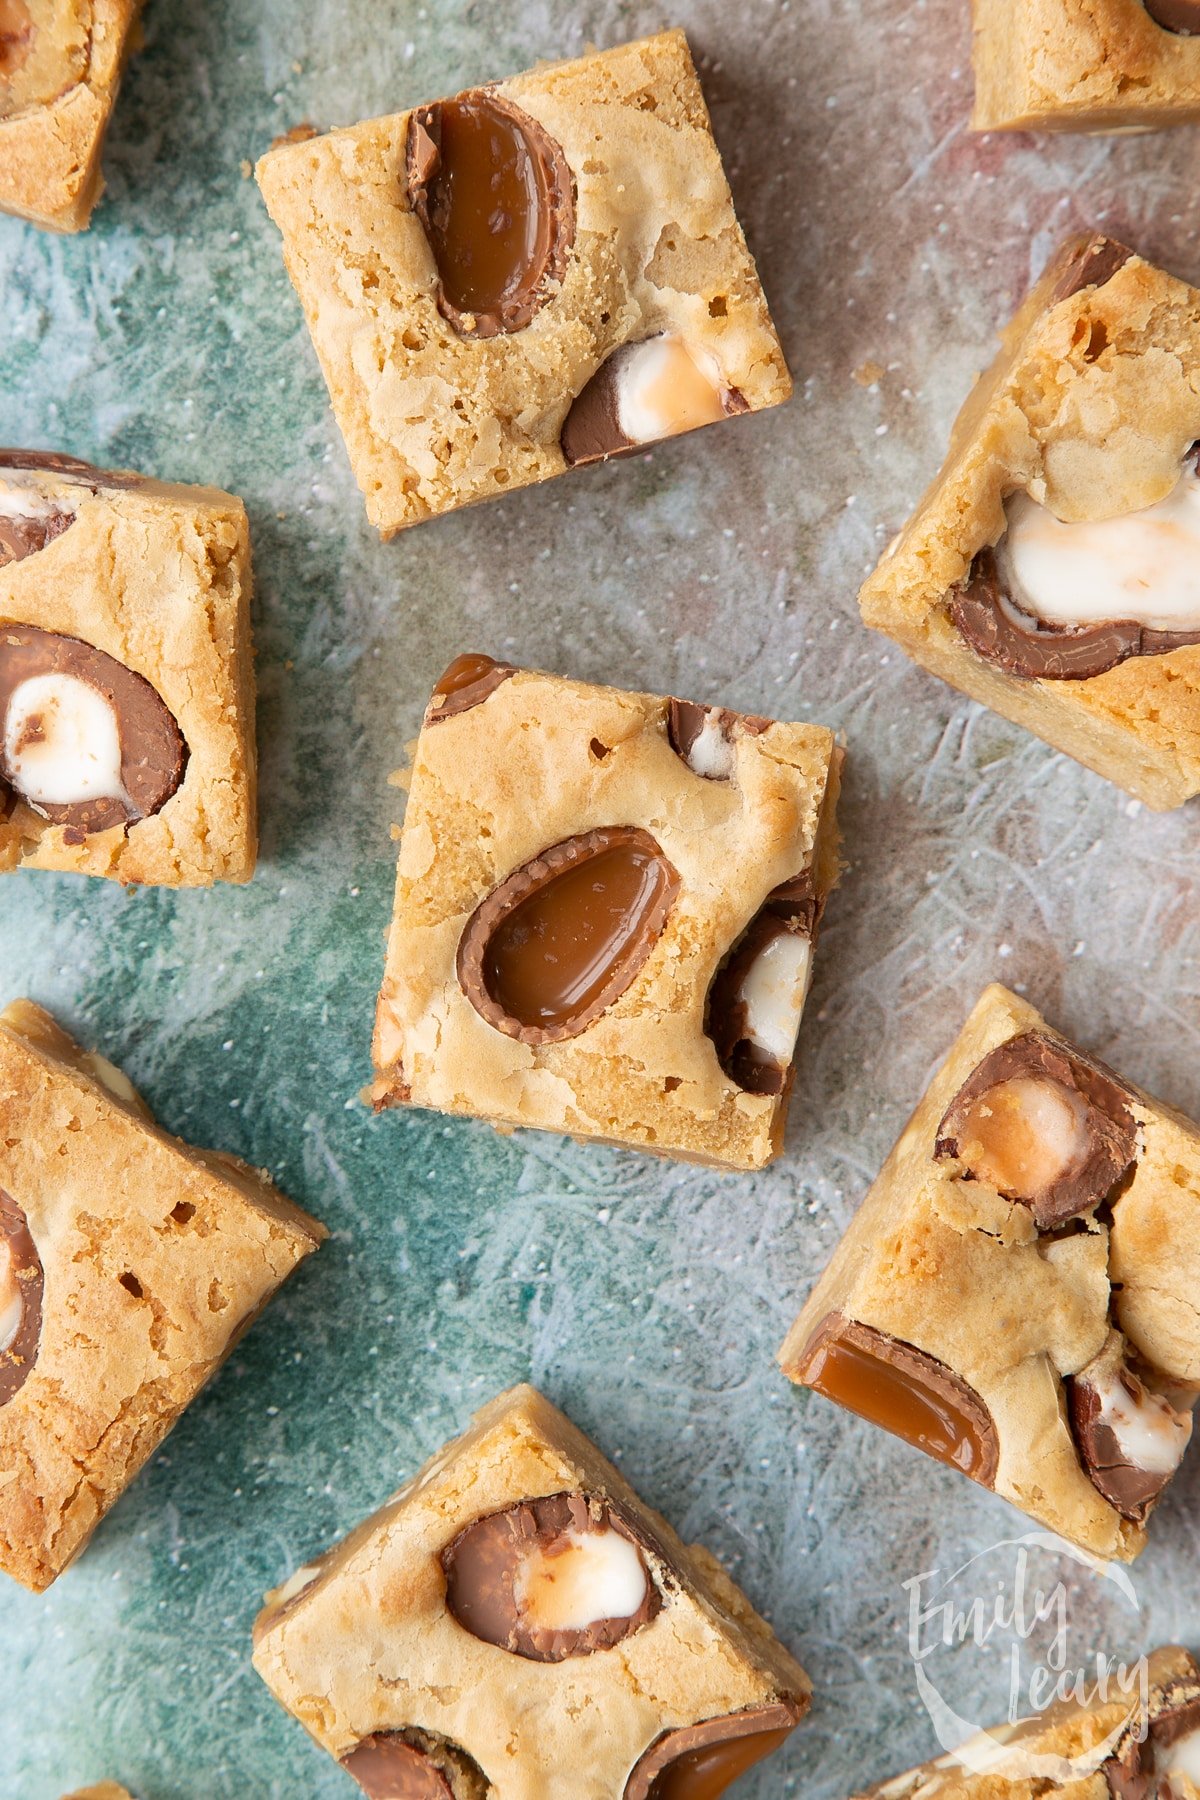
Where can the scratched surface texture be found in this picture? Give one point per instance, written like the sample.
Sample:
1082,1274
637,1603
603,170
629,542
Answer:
646,1298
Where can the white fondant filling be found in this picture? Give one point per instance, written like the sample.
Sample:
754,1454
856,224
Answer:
583,1577
773,992
62,742
19,502
1023,1134
114,1079
712,753
1143,566
296,1584
1180,1758
1150,1434
663,388
11,1304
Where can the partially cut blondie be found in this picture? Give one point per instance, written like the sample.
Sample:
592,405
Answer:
1016,1294
606,907
533,274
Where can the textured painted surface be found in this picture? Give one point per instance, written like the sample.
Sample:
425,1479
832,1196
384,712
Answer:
647,1299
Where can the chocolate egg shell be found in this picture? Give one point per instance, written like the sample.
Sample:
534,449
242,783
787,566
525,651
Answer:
564,936
25,534
466,683
495,196
793,907
20,1354
1089,264
482,1564
1000,630
903,1389
1130,1489
1173,1712
1181,16
70,468
689,724
593,429
154,756
1110,1125
703,1759
413,1764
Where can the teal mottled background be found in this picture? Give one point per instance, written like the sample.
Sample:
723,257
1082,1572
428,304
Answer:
646,1298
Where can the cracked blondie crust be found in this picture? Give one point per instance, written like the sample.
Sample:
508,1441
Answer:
130,1264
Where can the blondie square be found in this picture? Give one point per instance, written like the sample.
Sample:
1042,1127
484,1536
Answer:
1131,1739
1086,65
61,62
126,676
130,1264
1053,569
1016,1294
516,1623
605,913
533,274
